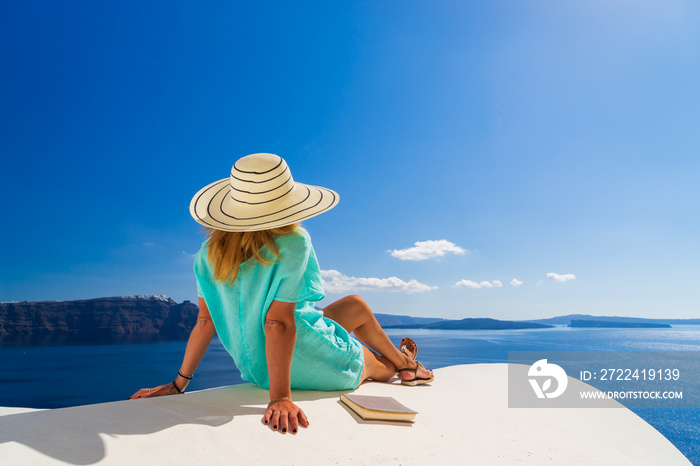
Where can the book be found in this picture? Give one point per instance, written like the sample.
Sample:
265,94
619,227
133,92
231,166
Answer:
378,408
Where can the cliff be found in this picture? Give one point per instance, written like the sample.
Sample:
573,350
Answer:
100,317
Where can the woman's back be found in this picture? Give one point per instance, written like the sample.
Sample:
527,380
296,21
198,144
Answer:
239,309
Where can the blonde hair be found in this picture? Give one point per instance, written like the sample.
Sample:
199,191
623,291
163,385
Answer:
228,250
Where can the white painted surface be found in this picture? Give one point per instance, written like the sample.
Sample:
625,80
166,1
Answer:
463,419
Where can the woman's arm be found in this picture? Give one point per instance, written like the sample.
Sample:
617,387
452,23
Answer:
197,345
280,337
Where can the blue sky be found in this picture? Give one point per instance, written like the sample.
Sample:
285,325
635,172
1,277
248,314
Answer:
534,138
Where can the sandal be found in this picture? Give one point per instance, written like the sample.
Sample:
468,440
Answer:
415,380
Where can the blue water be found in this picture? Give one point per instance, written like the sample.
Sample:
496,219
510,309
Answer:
60,376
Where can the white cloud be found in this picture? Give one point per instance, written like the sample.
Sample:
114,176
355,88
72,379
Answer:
466,284
423,250
337,282
561,278
148,244
516,282
473,284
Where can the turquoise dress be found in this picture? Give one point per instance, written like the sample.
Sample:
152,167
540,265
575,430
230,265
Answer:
325,356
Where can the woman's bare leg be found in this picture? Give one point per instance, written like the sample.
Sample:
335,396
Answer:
377,367
354,315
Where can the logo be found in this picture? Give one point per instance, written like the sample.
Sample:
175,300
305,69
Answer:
541,370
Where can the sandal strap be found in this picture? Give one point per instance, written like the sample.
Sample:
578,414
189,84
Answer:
413,369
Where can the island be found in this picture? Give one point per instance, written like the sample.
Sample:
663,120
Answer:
149,318
474,324
566,320
575,323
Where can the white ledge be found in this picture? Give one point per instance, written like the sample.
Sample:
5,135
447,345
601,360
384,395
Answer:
463,419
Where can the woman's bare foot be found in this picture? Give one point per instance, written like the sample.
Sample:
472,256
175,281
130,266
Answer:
408,347
412,370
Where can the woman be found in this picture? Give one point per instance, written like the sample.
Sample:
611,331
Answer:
257,279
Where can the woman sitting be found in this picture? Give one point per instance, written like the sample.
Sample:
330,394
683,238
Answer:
257,281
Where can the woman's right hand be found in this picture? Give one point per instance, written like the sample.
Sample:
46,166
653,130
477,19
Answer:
285,416
161,390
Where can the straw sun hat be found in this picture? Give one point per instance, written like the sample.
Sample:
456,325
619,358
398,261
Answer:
260,194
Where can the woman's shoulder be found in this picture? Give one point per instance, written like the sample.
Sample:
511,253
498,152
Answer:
297,243
299,237
200,258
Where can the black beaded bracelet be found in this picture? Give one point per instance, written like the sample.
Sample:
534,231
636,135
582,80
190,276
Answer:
188,377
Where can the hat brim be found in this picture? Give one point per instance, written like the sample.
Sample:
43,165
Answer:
214,207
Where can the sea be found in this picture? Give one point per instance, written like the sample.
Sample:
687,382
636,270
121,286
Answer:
57,376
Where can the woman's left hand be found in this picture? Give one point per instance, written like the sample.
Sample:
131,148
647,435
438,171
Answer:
161,390
285,416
